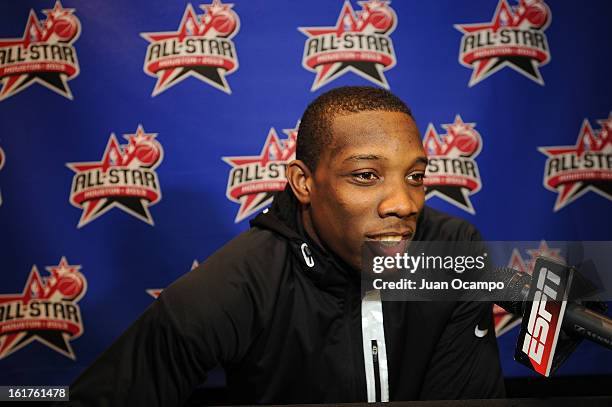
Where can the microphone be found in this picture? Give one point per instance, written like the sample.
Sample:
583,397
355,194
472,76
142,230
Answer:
542,300
579,320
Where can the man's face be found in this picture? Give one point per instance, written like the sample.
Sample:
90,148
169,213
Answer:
368,184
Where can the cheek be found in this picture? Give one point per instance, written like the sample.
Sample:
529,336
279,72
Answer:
345,212
357,211
418,196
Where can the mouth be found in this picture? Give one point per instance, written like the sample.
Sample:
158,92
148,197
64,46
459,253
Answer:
389,244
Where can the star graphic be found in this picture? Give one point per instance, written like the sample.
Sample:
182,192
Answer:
454,131
154,292
115,155
191,26
445,145
542,251
62,269
588,141
38,288
216,7
504,17
454,195
39,32
275,150
348,21
517,262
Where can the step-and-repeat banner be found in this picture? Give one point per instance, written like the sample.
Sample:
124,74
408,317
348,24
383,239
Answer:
137,137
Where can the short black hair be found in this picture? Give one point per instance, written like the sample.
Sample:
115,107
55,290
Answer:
314,133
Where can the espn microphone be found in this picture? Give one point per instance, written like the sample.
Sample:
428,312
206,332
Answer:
541,345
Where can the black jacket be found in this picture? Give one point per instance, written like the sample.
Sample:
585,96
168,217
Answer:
286,332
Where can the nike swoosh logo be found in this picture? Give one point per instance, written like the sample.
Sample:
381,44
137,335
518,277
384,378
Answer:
480,333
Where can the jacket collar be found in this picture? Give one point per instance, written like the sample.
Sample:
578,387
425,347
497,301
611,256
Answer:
324,268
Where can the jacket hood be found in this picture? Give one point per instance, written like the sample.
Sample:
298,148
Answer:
326,269
282,217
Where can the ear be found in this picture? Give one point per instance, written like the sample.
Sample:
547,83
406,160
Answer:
300,179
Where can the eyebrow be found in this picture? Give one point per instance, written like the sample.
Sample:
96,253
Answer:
359,157
421,160
373,157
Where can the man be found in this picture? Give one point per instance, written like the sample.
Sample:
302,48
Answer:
280,306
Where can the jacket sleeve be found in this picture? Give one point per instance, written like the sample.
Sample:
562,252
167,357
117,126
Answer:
465,364
203,319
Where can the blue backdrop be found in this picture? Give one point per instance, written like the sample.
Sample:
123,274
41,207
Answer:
74,77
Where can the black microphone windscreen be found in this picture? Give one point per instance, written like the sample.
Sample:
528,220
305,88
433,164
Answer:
516,288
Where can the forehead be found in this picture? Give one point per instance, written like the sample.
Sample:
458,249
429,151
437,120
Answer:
372,132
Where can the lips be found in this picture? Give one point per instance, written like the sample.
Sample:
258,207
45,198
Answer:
389,244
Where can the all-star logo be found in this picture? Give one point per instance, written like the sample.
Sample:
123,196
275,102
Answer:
202,47
515,38
253,179
452,173
155,292
504,321
125,178
2,160
360,42
572,171
46,311
44,54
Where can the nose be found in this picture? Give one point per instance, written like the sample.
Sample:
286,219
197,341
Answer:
399,201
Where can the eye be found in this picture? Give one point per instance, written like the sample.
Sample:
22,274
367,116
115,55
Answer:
365,177
416,178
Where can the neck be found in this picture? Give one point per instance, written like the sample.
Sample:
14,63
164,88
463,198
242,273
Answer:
309,226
